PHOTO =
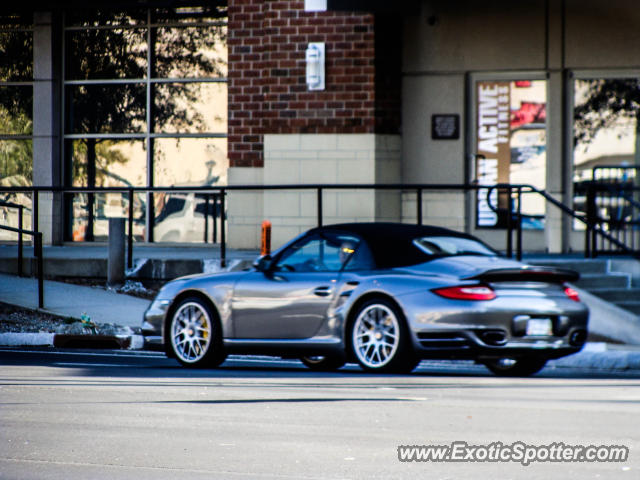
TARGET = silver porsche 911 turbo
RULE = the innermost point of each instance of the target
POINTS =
(384, 295)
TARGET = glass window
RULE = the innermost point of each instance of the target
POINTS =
(106, 108)
(191, 14)
(190, 161)
(16, 162)
(93, 18)
(16, 119)
(16, 56)
(327, 253)
(190, 107)
(106, 54)
(607, 149)
(85, 227)
(511, 147)
(191, 52)
(115, 163)
(186, 217)
(450, 246)
(16, 110)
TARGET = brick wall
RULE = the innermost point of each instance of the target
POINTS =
(267, 85)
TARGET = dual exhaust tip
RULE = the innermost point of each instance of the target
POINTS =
(499, 338)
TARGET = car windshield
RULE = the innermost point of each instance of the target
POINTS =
(451, 246)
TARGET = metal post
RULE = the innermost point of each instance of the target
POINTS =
(519, 225)
(38, 250)
(206, 218)
(223, 240)
(587, 233)
(590, 241)
(20, 241)
(419, 205)
(319, 203)
(509, 223)
(115, 264)
(130, 232)
(36, 208)
(216, 209)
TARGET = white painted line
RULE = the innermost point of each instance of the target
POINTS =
(71, 364)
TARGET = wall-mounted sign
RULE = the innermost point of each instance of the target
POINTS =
(445, 127)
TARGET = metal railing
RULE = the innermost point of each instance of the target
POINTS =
(37, 247)
(594, 228)
(610, 203)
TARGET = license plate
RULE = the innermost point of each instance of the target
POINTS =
(539, 327)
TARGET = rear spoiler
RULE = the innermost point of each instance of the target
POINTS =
(528, 274)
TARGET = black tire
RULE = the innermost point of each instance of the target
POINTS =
(379, 339)
(515, 367)
(323, 364)
(194, 335)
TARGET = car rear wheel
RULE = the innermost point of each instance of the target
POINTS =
(380, 340)
(515, 367)
(194, 334)
(323, 364)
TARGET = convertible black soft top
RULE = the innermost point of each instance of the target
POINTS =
(392, 244)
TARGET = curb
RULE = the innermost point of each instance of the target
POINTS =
(58, 340)
(595, 356)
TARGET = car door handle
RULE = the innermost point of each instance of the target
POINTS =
(322, 291)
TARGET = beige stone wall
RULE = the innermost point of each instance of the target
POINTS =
(244, 209)
(439, 208)
(315, 159)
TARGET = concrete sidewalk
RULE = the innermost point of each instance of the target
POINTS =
(69, 300)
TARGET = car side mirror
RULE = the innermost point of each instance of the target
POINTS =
(263, 263)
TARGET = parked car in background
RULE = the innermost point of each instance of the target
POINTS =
(185, 217)
(383, 295)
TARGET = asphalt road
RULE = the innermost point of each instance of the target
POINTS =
(115, 415)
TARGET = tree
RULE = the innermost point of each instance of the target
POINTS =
(16, 105)
(122, 53)
(606, 103)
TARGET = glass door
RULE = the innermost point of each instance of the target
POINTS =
(509, 146)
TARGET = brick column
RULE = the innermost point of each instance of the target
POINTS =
(267, 89)
(280, 132)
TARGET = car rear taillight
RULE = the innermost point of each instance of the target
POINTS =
(466, 292)
(571, 293)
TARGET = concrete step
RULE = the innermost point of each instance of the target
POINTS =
(161, 269)
(631, 305)
(604, 281)
(617, 295)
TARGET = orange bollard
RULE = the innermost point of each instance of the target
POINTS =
(265, 248)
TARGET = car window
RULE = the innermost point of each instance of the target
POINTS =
(447, 246)
(320, 253)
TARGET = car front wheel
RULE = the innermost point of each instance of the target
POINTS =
(380, 340)
(194, 333)
(515, 367)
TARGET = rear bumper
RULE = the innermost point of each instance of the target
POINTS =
(493, 343)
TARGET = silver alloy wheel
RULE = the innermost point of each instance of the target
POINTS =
(191, 332)
(376, 335)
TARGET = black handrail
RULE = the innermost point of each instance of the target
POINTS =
(37, 248)
(20, 209)
(514, 219)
